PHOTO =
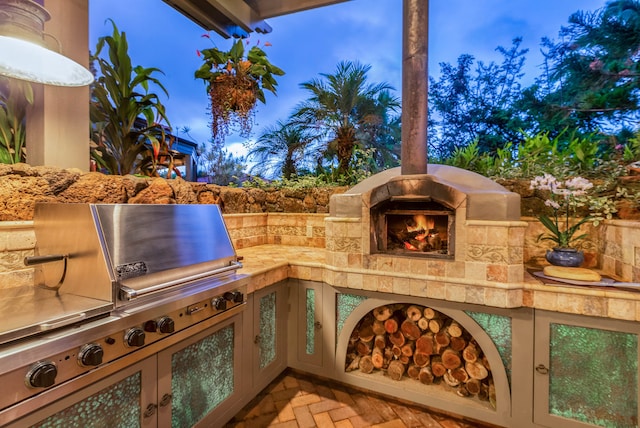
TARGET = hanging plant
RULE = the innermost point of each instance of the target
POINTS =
(235, 81)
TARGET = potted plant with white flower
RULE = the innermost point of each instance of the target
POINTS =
(566, 197)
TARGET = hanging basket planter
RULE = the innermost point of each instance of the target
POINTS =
(236, 80)
(232, 101)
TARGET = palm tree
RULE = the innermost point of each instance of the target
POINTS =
(281, 148)
(383, 132)
(344, 109)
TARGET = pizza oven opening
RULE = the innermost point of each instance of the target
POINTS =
(418, 228)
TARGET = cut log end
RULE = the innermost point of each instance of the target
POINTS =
(395, 370)
(366, 364)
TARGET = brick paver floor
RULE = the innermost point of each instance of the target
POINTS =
(299, 400)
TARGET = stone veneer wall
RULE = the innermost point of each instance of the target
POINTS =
(620, 249)
(22, 186)
(249, 230)
(17, 240)
(487, 252)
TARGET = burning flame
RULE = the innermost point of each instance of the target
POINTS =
(421, 224)
(423, 235)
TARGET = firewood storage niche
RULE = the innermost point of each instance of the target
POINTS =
(415, 343)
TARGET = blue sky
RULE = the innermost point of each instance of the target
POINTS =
(312, 42)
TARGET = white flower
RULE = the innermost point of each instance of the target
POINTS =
(545, 182)
(552, 204)
(578, 184)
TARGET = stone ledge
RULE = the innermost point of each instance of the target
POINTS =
(269, 264)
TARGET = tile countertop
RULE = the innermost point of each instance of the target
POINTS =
(268, 264)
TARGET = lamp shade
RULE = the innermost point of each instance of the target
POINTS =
(22, 51)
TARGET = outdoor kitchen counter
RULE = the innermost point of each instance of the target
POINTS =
(269, 264)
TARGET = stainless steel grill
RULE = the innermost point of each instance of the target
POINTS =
(109, 281)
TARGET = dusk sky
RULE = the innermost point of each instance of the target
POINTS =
(307, 43)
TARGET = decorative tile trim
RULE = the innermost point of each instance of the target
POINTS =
(487, 253)
(346, 245)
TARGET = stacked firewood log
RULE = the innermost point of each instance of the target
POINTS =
(423, 344)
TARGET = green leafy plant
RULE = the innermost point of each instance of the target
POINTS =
(235, 80)
(631, 150)
(470, 158)
(15, 97)
(126, 129)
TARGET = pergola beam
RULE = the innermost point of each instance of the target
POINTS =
(229, 18)
(238, 18)
(273, 8)
(241, 14)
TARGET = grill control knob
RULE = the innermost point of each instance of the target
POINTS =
(42, 375)
(90, 355)
(166, 325)
(234, 296)
(219, 303)
(134, 337)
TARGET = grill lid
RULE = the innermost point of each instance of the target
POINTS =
(153, 247)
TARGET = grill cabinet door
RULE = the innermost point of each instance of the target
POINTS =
(586, 371)
(269, 334)
(200, 379)
(125, 400)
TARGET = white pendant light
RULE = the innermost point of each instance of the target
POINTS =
(22, 51)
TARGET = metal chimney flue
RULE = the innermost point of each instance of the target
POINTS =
(415, 38)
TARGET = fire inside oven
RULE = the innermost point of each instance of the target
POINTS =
(415, 229)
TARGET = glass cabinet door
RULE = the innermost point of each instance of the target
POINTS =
(124, 400)
(310, 322)
(269, 334)
(199, 379)
(586, 372)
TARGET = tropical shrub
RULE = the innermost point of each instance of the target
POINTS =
(126, 118)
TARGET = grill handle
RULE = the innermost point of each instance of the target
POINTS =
(38, 260)
(128, 293)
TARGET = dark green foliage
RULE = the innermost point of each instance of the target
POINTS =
(566, 154)
(589, 84)
(479, 105)
(593, 78)
(281, 150)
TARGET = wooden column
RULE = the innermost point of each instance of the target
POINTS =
(415, 40)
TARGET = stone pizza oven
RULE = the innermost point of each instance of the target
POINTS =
(424, 215)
